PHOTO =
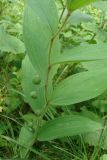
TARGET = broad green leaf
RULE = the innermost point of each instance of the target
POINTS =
(78, 17)
(103, 157)
(82, 53)
(40, 23)
(80, 87)
(90, 114)
(75, 4)
(26, 138)
(102, 5)
(95, 65)
(67, 126)
(93, 138)
(101, 36)
(29, 117)
(28, 72)
(31, 121)
(10, 43)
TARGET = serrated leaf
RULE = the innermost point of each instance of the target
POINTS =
(80, 87)
(82, 53)
(67, 126)
(10, 43)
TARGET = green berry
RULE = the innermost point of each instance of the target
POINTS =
(33, 94)
(36, 79)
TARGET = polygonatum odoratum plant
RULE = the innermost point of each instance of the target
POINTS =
(41, 30)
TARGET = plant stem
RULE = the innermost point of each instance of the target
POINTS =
(63, 10)
(62, 14)
(49, 56)
(45, 108)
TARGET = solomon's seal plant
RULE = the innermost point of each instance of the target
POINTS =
(40, 65)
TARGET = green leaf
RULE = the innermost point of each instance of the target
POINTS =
(40, 23)
(28, 72)
(95, 65)
(10, 43)
(75, 4)
(93, 138)
(90, 114)
(80, 87)
(103, 157)
(26, 138)
(3, 128)
(82, 53)
(102, 5)
(67, 126)
(78, 17)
